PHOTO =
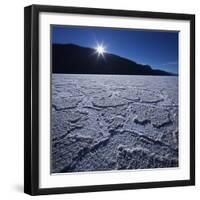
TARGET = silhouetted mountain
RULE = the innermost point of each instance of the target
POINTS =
(73, 59)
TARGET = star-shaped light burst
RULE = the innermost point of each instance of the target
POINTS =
(100, 50)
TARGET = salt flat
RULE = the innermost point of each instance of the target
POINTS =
(112, 122)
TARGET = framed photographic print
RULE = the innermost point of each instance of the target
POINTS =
(109, 100)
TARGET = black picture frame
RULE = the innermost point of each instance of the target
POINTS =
(31, 99)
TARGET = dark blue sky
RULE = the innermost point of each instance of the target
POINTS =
(155, 48)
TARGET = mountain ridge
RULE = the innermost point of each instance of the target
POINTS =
(74, 59)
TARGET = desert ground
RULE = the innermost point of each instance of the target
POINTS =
(113, 122)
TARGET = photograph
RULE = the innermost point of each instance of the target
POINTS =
(114, 99)
(109, 99)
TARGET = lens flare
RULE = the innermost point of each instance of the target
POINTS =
(100, 49)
